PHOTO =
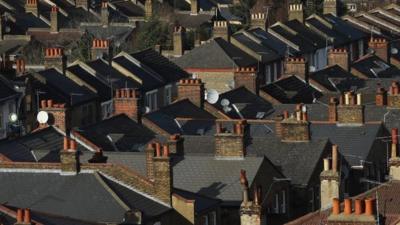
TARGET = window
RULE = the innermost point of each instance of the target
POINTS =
(213, 218)
(151, 100)
(205, 220)
(275, 72)
(268, 74)
(276, 205)
(167, 95)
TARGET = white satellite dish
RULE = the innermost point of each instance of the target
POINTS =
(212, 96)
(394, 51)
(312, 69)
(42, 117)
(146, 109)
(13, 117)
(225, 102)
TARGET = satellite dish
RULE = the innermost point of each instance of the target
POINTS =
(394, 51)
(212, 96)
(42, 117)
(13, 117)
(225, 102)
(312, 69)
(146, 109)
(370, 51)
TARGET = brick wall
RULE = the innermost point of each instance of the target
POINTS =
(230, 143)
(247, 77)
(128, 101)
(192, 89)
(216, 80)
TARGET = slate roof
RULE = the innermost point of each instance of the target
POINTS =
(338, 38)
(246, 102)
(271, 41)
(165, 117)
(215, 54)
(306, 33)
(118, 133)
(381, 69)
(187, 20)
(343, 27)
(304, 45)
(62, 89)
(334, 78)
(6, 91)
(291, 89)
(41, 146)
(74, 196)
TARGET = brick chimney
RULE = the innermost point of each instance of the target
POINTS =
(381, 97)
(179, 40)
(393, 98)
(101, 48)
(221, 29)
(340, 57)
(350, 111)
(194, 7)
(330, 6)
(163, 178)
(128, 101)
(148, 9)
(394, 161)
(175, 143)
(348, 216)
(295, 128)
(19, 66)
(296, 12)
(332, 110)
(192, 89)
(251, 212)
(258, 20)
(380, 47)
(150, 152)
(59, 115)
(54, 19)
(23, 217)
(330, 180)
(247, 77)
(82, 3)
(105, 19)
(55, 58)
(69, 157)
(297, 66)
(230, 144)
(31, 6)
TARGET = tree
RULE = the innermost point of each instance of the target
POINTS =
(150, 34)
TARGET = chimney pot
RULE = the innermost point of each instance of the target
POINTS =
(27, 216)
(50, 103)
(347, 206)
(326, 164)
(285, 114)
(158, 149)
(66, 143)
(43, 104)
(358, 207)
(336, 206)
(73, 145)
(334, 158)
(20, 215)
(369, 207)
(165, 151)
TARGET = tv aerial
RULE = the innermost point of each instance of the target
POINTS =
(394, 51)
(42, 117)
(212, 96)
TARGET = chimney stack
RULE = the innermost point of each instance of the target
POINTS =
(380, 47)
(330, 180)
(148, 9)
(296, 12)
(330, 7)
(105, 19)
(101, 49)
(163, 178)
(332, 110)
(179, 40)
(128, 101)
(54, 19)
(31, 6)
(258, 20)
(393, 98)
(59, 115)
(230, 144)
(55, 58)
(251, 212)
(192, 89)
(247, 77)
(348, 216)
(295, 128)
(297, 66)
(194, 7)
(350, 111)
(69, 157)
(394, 161)
(82, 3)
(221, 29)
(340, 57)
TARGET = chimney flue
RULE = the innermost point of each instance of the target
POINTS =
(347, 206)
(336, 206)
(192, 89)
